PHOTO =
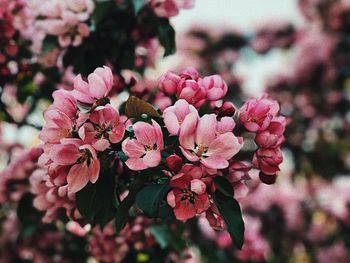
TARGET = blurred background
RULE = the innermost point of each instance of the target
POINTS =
(298, 52)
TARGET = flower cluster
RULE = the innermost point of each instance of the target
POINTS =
(190, 87)
(66, 20)
(260, 117)
(85, 137)
(73, 138)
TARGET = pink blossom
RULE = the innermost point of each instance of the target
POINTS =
(200, 141)
(144, 151)
(215, 87)
(191, 91)
(226, 109)
(105, 128)
(65, 102)
(99, 84)
(168, 83)
(272, 137)
(58, 126)
(82, 160)
(175, 115)
(268, 160)
(51, 198)
(104, 245)
(188, 196)
(256, 115)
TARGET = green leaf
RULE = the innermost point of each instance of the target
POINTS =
(223, 185)
(150, 198)
(161, 235)
(135, 107)
(95, 202)
(166, 36)
(49, 43)
(122, 214)
(101, 9)
(231, 212)
(138, 5)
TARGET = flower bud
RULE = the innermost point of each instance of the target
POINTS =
(174, 163)
(215, 87)
(267, 179)
(168, 83)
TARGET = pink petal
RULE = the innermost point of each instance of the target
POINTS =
(171, 122)
(94, 170)
(136, 164)
(144, 133)
(206, 129)
(77, 177)
(215, 162)
(225, 145)
(132, 148)
(198, 186)
(152, 158)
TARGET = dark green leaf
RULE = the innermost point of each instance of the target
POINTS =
(231, 212)
(166, 36)
(101, 9)
(161, 235)
(223, 185)
(122, 214)
(150, 198)
(95, 202)
(49, 43)
(138, 4)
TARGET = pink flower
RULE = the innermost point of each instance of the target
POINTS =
(268, 160)
(168, 83)
(272, 137)
(215, 87)
(200, 140)
(105, 128)
(65, 102)
(58, 126)
(188, 196)
(192, 92)
(175, 115)
(82, 160)
(144, 150)
(256, 115)
(99, 84)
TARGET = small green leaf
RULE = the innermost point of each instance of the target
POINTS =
(49, 43)
(166, 36)
(101, 9)
(223, 185)
(161, 235)
(150, 198)
(135, 107)
(231, 212)
(138, 5)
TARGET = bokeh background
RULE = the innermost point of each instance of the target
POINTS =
(299, 52)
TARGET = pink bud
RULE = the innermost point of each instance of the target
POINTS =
(227, 109)
(168, 83)
(174, 163)
(215, 87)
